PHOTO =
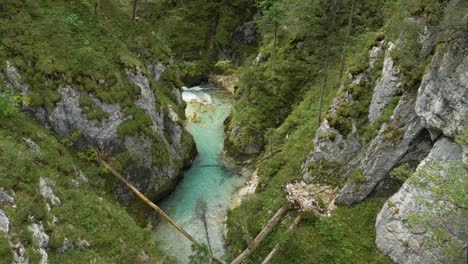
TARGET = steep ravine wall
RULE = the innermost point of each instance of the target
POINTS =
(422, 128)
(152, 157)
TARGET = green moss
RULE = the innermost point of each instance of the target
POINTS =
(89, 212)
(58, 43)
(402, 172)
(96, 113)
(392, 132)
(325, 172)
(371, 131)
(138, 123)
(6, 253)
(356, 176)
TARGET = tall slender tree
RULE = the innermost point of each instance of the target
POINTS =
(331, 15)
(346, 43)
(134, 12)
(273, 14)
(97, 7)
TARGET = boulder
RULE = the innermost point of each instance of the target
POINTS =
(404, 242)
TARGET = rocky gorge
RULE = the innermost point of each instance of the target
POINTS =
(328, 132)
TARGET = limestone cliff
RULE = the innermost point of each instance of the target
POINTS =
(152, 155)
(420, 131)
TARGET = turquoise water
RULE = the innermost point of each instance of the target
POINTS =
(206, 181)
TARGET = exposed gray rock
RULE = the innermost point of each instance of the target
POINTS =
(443, 95)
(19, 254)
(13, 79)
(156, 71)
(4, 222)
(41, 239)
(31, 144)
(82, 243)
(329, 144)
(175, 91)
(47, 193)
(374, 54)
(172, 114)
(67, 117)
(245, 34)
(393, 143)
(387, 87)
(67, 244)
(258, 59)
(5, 199)
(403, 242)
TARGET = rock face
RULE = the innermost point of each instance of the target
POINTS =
(387, 87)
(41, 239)
(332, 146)
(170, 141)
(403, 242)
(402, 139)
(421, 130)
(4, 222)
(443, 95)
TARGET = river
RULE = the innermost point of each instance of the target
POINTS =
(207, 184)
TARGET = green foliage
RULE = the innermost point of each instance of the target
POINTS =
(89, 155)
(96, 113)
(357, 177)
(462, 138)
(224, 67)
(58, 43)
(346, 237)
(8, 104)
(402, 172)
(6, 253)
(138, 122)
(392, 132)
(201, 255)
(372, 129)
(325, 172)
(89, 212)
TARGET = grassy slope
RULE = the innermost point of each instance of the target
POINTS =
(348, 236)
(56, 43)
(87, 212)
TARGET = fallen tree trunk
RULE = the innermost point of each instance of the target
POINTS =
(277, 247)
(151, 204)
(265, 231)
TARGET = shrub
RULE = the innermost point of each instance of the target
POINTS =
(357, 177)
(8, 104)
(402, 172)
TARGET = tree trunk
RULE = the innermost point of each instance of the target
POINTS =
(134, 10)
(97, 7)
(345, 47)
(265, 231)
(327, 58)
(277, 247)
(274, 46)
(151, 204)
